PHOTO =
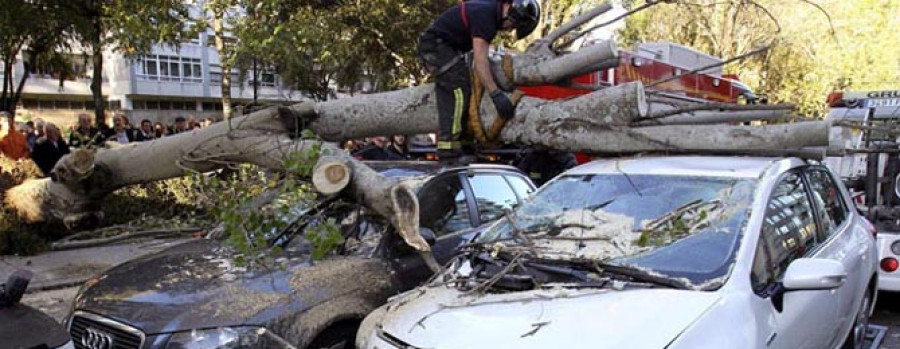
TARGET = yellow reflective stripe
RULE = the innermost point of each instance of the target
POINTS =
(457, 112)
(447, 145)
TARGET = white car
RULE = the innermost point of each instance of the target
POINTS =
(656, 252)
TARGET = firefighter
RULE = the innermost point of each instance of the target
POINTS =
(469, 26)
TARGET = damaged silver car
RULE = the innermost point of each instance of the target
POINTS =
(658, 252)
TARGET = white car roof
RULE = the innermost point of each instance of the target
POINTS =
(712, 166)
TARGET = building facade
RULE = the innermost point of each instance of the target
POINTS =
(160, 86)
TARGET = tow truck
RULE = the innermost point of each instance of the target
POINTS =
(866, 126)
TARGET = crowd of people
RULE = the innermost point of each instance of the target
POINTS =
(45, 143)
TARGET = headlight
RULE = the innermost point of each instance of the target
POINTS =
(226, 338)
(895, 247)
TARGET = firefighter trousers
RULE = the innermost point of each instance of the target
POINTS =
(452, 88)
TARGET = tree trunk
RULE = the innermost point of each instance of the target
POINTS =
(224, 63)
(97, 76)
(598, 123)
(16, 95)
(7, 75)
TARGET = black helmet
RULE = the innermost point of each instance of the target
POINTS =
(525, 14)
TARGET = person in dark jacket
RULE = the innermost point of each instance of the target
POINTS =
(376, 149)
(542, 164)
(399, 147)
(145, 133)
(469, 26)
(121, 132)
(86, 135)
(49, 149)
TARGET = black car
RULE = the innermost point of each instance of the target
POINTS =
(193, 295)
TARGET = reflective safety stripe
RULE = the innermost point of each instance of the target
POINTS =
(448, 145)
(457, 112)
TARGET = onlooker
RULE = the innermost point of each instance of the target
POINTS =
(49, 149)
(399, 146)
(160, 130)
(180, 125)
(376, 150)
(145, 133)
(13, 145)
(206, 122)
(85, 135)
(121, 133)
(31, 135)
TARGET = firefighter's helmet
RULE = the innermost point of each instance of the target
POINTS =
(525, 14)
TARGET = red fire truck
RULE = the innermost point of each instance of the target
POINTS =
(648, 62)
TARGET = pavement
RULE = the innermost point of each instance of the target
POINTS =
(63, 269)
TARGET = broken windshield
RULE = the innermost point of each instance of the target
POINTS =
(679, 227)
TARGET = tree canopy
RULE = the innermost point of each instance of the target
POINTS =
(820, 46)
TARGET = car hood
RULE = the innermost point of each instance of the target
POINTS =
(197, 285)
(442, 317)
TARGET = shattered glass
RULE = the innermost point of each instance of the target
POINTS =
(685, 228)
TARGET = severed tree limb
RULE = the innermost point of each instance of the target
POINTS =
(718, 106)
(543, 45)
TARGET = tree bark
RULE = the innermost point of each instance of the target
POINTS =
(97, 76)
(224, 63)
(597, 123)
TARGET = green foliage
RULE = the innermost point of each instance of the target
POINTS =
(169, 201)
(809, 59)
(253, 206)
(325, 238)
(35, 25)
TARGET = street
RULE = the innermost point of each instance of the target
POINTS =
(887, 313)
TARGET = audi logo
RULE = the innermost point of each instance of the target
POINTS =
(96, 339)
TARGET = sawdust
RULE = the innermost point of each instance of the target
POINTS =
(236, 301)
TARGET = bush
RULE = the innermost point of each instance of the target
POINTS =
(172, 199)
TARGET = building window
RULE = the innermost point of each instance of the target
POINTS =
(169, 68)
(268, 78)
(69, 67)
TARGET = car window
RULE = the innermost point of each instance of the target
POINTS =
(683, 227)
(520, 185)
(492, 196)
(788, 231)
(829, 198)
(442, 205)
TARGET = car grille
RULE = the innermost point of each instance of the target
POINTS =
(90, 331)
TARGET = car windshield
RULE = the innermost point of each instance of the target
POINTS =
(685, 228)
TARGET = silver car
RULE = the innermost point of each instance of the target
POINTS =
(655, 252)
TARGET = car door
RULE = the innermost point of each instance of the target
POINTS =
(448, 207)
(489, 194)
(790, 319)
(838, 243)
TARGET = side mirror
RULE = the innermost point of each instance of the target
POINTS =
(12, 291)
(428, 235)
(814, 274)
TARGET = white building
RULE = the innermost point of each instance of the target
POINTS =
(169, 82)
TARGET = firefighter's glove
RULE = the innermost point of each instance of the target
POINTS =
(504, 106)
